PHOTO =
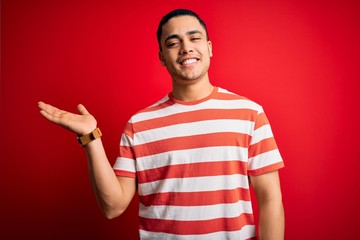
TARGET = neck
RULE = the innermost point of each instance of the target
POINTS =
(192, 92)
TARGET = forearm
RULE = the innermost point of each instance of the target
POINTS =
(271, 220)
(106, 187)
(113, 194)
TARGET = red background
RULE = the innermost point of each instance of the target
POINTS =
(299, 59)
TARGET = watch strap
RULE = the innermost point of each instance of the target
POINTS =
(87, 138)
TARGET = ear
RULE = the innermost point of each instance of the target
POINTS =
(210, 48)
(161, 58)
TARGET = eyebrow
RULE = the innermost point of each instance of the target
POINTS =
(172, 36)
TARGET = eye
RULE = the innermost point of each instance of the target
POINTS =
(195, 38)
(172, 44)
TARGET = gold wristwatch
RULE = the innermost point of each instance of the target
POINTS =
(87, 138)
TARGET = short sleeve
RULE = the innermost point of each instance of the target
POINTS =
(263, 155)
(125, 164)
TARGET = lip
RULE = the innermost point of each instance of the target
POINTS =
(183, 59)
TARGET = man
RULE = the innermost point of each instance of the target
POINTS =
(192, 155)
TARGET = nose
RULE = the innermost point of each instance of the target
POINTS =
(186, 47)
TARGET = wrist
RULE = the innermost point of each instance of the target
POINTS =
(87, 138)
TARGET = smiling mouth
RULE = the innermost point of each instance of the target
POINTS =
(189, 61)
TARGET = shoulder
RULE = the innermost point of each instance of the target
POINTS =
(151, 110)
(237, 100)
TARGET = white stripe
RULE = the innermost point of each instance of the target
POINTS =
(164, 99)
(210, 104)
(126, 164)
(245, 233)
(126, 140)
(222, 90)
(194, 184)
(195, 128)
(196, 155)
(261, 133)
(196, 213)
(264, 159)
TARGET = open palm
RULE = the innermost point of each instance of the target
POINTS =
(80, 124)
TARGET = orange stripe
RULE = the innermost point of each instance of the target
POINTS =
(127, 152)
(163, 105)
(196, 198)
(191, 142)
(194, 116)
(264, 145)
(261, 121)
(193, 170)
(128, 130)
(196, 227)
(269, 168)
(229, 96)
(122, 173)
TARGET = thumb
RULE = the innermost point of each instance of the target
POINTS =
(81, 108)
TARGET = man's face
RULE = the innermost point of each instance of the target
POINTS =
(185, 50)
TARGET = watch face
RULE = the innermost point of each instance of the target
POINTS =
(96, 133)
(83, 140)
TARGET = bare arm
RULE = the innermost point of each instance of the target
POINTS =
(271, 211)
(113, 193)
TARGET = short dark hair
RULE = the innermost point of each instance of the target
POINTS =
(177, 13)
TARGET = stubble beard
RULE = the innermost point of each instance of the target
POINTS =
(190, 77)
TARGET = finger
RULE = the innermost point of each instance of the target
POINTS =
(52, 113)
(82, 109)
(51, 110)
(49, 117)
(47, 107)
(41, 105)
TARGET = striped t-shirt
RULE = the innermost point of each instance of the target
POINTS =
(192, 161)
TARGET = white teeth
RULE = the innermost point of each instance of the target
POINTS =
(189, 61)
